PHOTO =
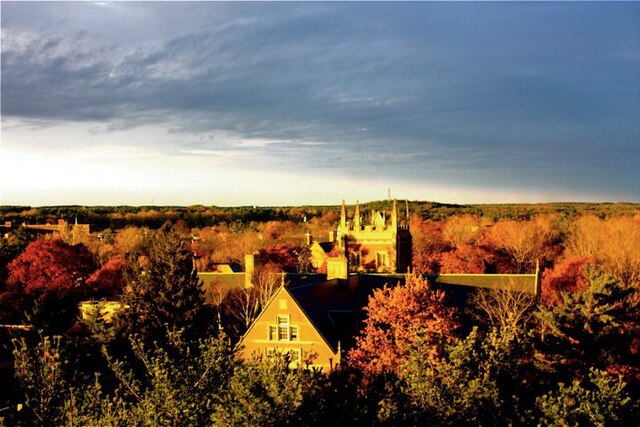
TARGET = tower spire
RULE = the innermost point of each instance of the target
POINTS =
(394, 215)
(343, 217)
(406, 210)
(356, 219)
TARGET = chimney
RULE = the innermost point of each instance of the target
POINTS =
(251, 262)
(308, 239)
(332, 236)
(337, 268)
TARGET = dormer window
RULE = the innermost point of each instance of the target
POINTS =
(283, 330)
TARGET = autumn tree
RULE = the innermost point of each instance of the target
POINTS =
(221, 245)
(283, 255)
(465, 259)
(397, 318)
(129, 239)
(428, 243)
(461, 230)
(11, 247)
(108, 280)
(503, 309)
(526, 242)
(568, 275)
(51, 275)
(272, 230)
(613, 243)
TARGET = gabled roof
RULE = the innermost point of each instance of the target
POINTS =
(225, 267)
(335, 307)
(527, 283)
(325, 246)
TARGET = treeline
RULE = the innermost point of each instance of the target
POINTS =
(424, 356)
(117, 217)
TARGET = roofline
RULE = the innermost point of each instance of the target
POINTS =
(400, 275)
(218, 272)
(261, 311)
(311, 321)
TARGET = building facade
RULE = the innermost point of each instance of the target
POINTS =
(378, 244)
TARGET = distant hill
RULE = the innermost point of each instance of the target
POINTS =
(115, 217)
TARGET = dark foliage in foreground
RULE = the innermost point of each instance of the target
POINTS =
(570, 361)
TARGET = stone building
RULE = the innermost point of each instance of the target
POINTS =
(378, 244)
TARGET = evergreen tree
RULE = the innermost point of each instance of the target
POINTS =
(595, 327)
(268, 393)
(600, 400)
(478, 381)
(304, 260)
(163, 293)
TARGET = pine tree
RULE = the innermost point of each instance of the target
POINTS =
(594, 327)
(163, 293)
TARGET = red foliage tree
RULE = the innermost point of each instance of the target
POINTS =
(428, 243)
(465, 259)
(283, 255)
(108, 280)
(566, 276)
(399, 318)
(50, 275)
(51, 268)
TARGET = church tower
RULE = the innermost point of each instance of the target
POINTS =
(377, 245)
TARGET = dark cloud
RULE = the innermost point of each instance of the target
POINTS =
(470, 91)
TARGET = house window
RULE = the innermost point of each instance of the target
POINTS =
(283, 333)
(382, 259)
(296, 355)
(283, 328)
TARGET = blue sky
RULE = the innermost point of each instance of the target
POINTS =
(295, 103)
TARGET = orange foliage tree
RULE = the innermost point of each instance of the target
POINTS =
(428, 243)
(283, 255)
(525, 242)
(397, 319)
(220, 245)
(566, 276)
(465, 259)
(461, 230)
(614, 243)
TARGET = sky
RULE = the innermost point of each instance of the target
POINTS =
(237, 103)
